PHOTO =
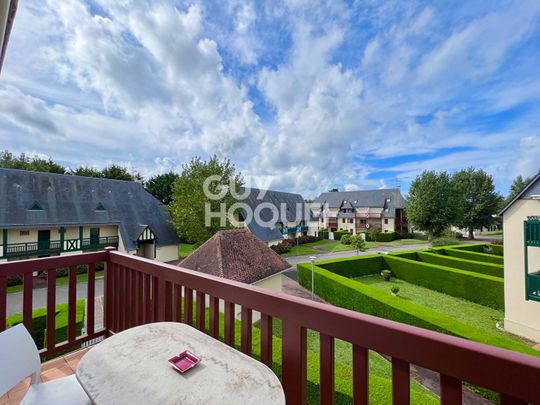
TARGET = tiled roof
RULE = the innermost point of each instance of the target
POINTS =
(365, 198)
(235, 255)
(271, 233)
(68, 200)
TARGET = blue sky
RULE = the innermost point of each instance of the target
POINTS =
(301, 95)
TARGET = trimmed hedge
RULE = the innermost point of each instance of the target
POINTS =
(387, 236)
(354, 295)
(475, 287)
(490, 269)
(339, 234)
(497, 250)
(354, 266)
(471, 247)
(467, 255)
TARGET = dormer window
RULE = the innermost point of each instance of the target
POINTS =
(36, 207)
(345, 201)
(388, 200)
(100, 207)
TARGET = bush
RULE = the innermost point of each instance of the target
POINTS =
(444, 241)
(307, 239)
(350, 294)
(346, 239)
(387, 236)
(323, 234)
(353, 266)
(386, 274)
(490, 269)
(14, 280)
(395, 290)
(464, 254)
(281, 248)
(421, 236)
(339, 234)
(372, 234)
(480, 288)
(405, 235)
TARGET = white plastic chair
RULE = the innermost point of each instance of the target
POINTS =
(19, 358)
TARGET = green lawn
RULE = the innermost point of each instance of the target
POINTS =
(301, 250)
(185, 249)
(457, 308)
(59, 281)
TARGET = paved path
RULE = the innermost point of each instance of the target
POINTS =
(294, 260)
(39, 300)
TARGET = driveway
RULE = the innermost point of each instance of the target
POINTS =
(39, 300)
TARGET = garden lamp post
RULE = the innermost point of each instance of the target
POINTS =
(312, 258)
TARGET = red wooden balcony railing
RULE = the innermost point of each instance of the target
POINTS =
(138, 291)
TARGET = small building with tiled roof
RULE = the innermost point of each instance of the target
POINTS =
(238, 255)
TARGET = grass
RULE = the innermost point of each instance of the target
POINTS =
(185, 249)
(81, 278)
(465, 311)
(301, 250)
(39, 323)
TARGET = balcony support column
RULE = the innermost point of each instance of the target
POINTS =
(80, 237)
(4, 242)
(62, 233)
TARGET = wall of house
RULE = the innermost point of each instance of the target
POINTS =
(390, 226)
(521, 317)
(167, 253)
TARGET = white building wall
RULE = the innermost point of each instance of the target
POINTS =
(521, 317)
(167, 253)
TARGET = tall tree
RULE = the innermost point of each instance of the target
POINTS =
(160, 186)
(190, 203)
(517, 186)
(479, 201)
(433, 203)
(23, 162)
(117, 172)
(87, 171)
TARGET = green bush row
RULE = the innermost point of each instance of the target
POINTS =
(471, 247)
(490, 269)
(475, 287)
(354, 295)
(387, 236)
(467, 255)
(354, 266)
(339, 234)
(497, 250)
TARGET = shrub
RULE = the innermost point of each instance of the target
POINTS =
(395, 290)
(14, 280)
(444, 241)
(357, 242)
(387, 236)
(307, 239)
(497, 249)
(354, 266)
(372, 235)
(350, 294)
(281, 248)
(346, 239)
(479, 257)
(405, 235)
(339, 234)
(480, 288)
(386, 274)
(490, 269)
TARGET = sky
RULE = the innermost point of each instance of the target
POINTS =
(301, 95)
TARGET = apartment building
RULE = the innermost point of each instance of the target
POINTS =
(359, 211)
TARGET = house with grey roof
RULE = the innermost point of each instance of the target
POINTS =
(274, 215)
(361, 210)
(521, 234)
(45, 214)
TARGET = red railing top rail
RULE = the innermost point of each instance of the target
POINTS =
(476, 363)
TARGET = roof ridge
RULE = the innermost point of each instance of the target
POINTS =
(67, 175)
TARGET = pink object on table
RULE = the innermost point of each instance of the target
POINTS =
(184, 361)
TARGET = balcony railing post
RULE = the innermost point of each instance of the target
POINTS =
(294, 363)
(108, 292)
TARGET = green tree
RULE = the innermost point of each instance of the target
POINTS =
(190, 203)
(23, 162)
(117, 172)
(433, 203)
(160, 186)
(517, 186)
(87, 171)
(479, 201)
(358, 243)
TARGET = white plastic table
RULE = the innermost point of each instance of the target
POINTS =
(131, 368)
